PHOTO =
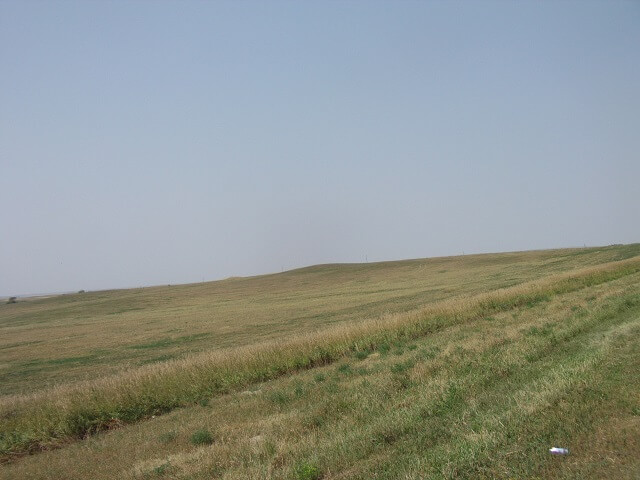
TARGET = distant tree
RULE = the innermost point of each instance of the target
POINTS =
(12, 300)
(80, 291)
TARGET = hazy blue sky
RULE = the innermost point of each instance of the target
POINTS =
(166, 142)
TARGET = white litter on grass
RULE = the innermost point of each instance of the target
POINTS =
(559, 451)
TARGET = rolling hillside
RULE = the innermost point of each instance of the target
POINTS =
(81, 336)
(459, 367)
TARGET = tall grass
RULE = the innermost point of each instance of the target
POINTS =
(46, 419)
(71, 338)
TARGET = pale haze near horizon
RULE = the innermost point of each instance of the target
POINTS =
(147, 143)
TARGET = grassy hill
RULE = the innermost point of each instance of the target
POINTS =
(459, 367)
(80, 336)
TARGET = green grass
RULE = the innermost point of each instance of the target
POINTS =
(307, 471)
(169, 342)
(202, 437)
(458, 389)
(484, 398)
(140, 326)
(40, 421)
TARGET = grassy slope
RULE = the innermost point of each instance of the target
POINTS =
(44, 420)
(74, 337)
(483, 397)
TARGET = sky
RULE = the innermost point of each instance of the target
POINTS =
(157, 142)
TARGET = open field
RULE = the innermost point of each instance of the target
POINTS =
(82, 336)
(476, 367)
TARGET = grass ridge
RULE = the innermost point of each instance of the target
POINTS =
(47, 419)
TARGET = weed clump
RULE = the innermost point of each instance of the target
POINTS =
(279, 398)
(161, 469)
(362, 354)
(298, 390)
(345, 369)
(402, 367)
(202, 437)
(307, 471)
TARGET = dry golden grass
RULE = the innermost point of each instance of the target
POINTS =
(56, 340)
(479, 397)
(48, 418)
